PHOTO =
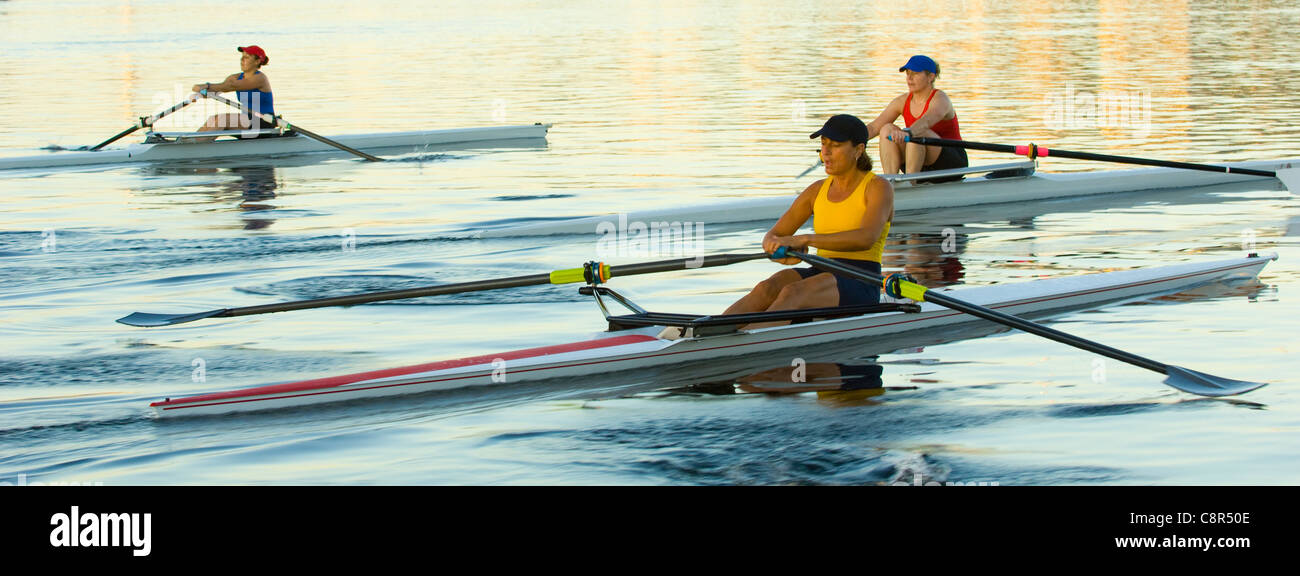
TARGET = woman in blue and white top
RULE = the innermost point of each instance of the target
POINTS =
(254, 90)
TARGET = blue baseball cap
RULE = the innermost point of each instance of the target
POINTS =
(921, 63)
(843, 128)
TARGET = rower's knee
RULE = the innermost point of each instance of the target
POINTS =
(806, 293)
(888, 147)
(770, 288)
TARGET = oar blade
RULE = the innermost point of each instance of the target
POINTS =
(1204, 384)
(1290, 178)
(150, 320)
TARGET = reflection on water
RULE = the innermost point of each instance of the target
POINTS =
(247, 186)
(851, 382)
(931, 259)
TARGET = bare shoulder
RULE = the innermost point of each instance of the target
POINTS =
(898, 102)
(810, 192)
(879, 185)
(880, 192)
(814, 187)
(942, 96)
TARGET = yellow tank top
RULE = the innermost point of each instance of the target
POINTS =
(831, 217)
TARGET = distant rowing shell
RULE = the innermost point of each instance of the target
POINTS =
(278, 146)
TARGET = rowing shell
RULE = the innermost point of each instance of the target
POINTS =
(640, 349)
(285, 145)
(999, 184)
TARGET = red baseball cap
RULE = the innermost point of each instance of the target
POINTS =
(256, 51)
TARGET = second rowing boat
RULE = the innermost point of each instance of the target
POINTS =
(996, 184)
(632, 344)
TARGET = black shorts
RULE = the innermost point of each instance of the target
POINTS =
(852, 290)
(949, 157)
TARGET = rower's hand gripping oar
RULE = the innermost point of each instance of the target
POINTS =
(295, 127)
(1290, 177)
(899, 287)
(592, 273)
(144, 122)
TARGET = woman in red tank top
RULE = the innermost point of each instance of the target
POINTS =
(926, 112)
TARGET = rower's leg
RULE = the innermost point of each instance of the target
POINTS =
(891, 156)
(820, 291)
(222, 122)
(919, 156)
(765, 293)
(757, 300)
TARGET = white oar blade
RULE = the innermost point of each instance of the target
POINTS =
(1290, 178)
(1204, 384)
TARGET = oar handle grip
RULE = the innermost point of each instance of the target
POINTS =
(1033, 151)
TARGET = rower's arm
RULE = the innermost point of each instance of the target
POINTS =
(940, 108)
(888, 116)
(880, 208)
(233, 83)
(798, 213)
(790, 222)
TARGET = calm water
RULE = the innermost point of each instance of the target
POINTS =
(653, 105)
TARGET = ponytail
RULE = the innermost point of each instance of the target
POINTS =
(864, 162)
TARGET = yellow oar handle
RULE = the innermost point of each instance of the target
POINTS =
(901, 285)
(572, 275)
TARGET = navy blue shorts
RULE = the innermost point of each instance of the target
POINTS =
(852, 290)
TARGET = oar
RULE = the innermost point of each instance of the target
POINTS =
(1290, 177)
(600, 271)
(1178, 377)
(144, 122)
(295, 127)
(810, 169)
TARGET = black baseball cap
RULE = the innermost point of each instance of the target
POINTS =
(843, 128)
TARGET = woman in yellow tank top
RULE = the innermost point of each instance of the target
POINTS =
(851, 210)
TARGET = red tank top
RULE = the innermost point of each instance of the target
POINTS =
(947, 129)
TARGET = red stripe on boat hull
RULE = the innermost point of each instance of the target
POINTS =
(335, 381)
